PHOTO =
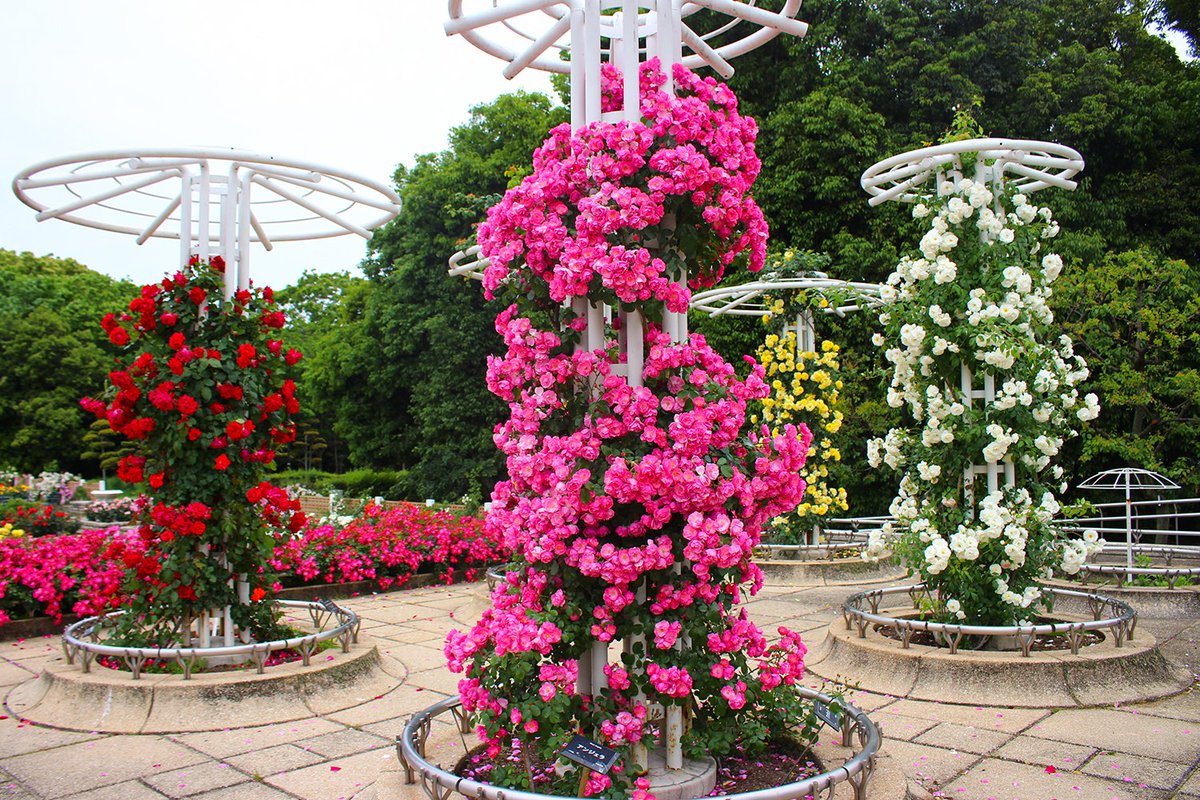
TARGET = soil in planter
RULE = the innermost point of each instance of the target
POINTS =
(1042, 643)
(783, 761)
(170, 666)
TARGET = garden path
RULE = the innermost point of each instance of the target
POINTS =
(1148, 751)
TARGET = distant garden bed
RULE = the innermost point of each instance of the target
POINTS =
(82, 573)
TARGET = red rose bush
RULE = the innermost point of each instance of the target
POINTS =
(204, 394)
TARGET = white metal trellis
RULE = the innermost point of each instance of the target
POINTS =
(214, 201)
(625, 33)
(1129, 479)
(1025, 164)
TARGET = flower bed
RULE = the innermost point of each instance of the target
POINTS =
(36, 519)
(388, 547)
(81, 573)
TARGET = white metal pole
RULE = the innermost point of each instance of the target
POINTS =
(243, 231)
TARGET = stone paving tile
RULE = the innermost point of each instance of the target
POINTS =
(1192, 785)
(438, 680)
(396, 704)
(343, 743)
(11, 674)
(222, 744)
(273, 760)
(898, 727)
(195, 779)
(952, 736)
(1043, 753)
(251, 790)
(99, 763)
(337, 780)
(992, 779)
(129, 790)
(11, 790)
(1008, 720)
(1153, 737)
(928, 765)
(1127, 768)
(1182, 706)
(17, 738)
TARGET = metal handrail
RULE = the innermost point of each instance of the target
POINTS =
(1122, 624)
(82, 639)
(438, 783)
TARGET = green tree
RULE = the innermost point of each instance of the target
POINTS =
(54, 353)
(314, 307)
(417, 343)
(1135, 317)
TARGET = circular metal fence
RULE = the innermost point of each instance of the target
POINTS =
(439, 784)
(85, 640)
(1119, 618)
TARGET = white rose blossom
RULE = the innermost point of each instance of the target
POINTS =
(1004, 402)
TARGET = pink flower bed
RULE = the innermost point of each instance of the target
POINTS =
(83, 573)
(388, 547)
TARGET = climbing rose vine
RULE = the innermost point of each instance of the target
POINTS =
(204, 397)
(632, 510)
(621, 212)
(805, 384)
(977, 293)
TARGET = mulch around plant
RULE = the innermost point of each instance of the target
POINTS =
(784, 761)
(1043, 643)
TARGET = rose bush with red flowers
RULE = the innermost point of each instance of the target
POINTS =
(204, 392)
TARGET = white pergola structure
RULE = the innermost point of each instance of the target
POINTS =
(537, 34)
(1130, 479)
(1024, 164)
(750, 300)
(215, 202)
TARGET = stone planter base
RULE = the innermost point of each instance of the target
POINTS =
(1101, 674)
(828, 572)
(1150, 602)
(108, 701)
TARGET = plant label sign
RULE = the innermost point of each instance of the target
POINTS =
(592, 755)
(827, 715)
(328, 605)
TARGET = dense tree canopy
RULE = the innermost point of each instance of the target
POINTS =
(408, 362)
(54, 352)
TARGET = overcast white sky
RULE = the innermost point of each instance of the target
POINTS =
(356, 85)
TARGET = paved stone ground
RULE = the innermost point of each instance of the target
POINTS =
(1149, 751)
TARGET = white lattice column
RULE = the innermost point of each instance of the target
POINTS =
(625, 33)
(1024, 165)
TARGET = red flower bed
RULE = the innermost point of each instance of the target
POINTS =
(82, 573)
(388, 547)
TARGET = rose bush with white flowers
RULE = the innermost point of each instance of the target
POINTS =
(976, 294)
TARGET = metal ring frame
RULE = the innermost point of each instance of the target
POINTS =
(440, 784)
(144, 193)
(1026, 164)
(529, 49)
(1121, 623)
(1124, 573)
(827, 552)
(82, 639)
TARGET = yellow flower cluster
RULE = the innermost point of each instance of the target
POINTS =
(806, 389)
(7, 531)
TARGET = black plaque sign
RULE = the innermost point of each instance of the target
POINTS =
(827, 715)
(328, 605)
(595, 757)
